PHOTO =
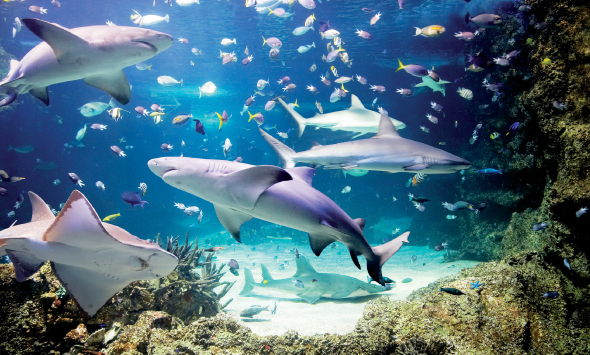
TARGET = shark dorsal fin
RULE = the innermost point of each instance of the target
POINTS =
(386, 128)
(315, 145)
(302, 173)
(245, 186)
(66, 46)
(40, 210)
(265, 273)
(355, 102)
(303, 267)
(76, 215)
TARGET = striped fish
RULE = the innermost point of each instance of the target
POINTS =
(143, 188)
(418, 178)
(465, 93)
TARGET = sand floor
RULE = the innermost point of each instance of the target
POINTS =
(327, 315)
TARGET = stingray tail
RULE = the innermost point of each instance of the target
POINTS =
(287, 154)
(382, 253)
(248, 282)
(300, 119)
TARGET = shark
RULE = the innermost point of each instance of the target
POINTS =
(92, 260)
(96, 54)
(427, 81)
(315, 284)
(240, 192)
(356, 119)
(386, 151)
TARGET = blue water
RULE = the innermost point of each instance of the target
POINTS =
(204, 25)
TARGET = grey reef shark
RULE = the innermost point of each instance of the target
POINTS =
(240, 192)
(96, 54)
(92, 260)
(386, 151)
(356, 119)
(315, 284)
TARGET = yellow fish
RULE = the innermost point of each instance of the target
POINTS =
(154, 114)
(334, 71)
(111, 217)
(157, 120)
(494, 135)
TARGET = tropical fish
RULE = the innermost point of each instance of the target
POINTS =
(143, 188)
(451, 290)
(111, 217)
(430, 31)
(168, 81)
(22, 149)
(489, 171)
(465, 93)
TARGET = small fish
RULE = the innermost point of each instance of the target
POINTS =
(346, 190)
(75, 179)
(490, 171)
(226, 146)
(313, 68)
(334, 71)
(227, 41)
(375, 18)
(319, 106)
(166, 147)
(407, 280)
(143, 188)
(115, 113)
(183, 40)
(118, 151)
(11, 214)
(540, 226)
(196, 51)
(111, 217)
(494, 135)
(309, 20)
(199, 127)
(551, 294)
(256, 309)
(465, 93)
(181, 119)
(98, 126)
(558, 105)
(168, 81)
(451, 290)
(19, 201)
(567, 264)
(451, 216)
(581, 211)
(100, 185)
(298, 283)
(414, 258)
(56, 182)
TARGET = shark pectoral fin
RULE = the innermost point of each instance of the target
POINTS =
(245, 186)
(41, 94)
(90, 288)
(232, 220)
(25, 264)
(249, 282)
(265, 273)
(420, 85)
(302, 173)
(440, 82)
(355, 102)
(66, 46)
(40, 210)
(386, 128)
(303, 267)
(312, 295)
(355, 260)
(415, 167)
(114, 83)
(319, 241)
(341, 293)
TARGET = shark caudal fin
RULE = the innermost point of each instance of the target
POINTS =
(382, 253)
(248, 282)
(287, 154)
(300, 119)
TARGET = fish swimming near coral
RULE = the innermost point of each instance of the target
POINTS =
(93, 260)
(326, 285)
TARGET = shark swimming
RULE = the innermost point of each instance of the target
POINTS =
(240, 192)
(96, 54)
(386, 151)
(356, 119)
(427, 81)
(92, 260)
(315, 284)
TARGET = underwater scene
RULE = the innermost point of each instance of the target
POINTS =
(294, 177)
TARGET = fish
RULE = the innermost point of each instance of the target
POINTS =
(313, 67)
(355, 119)
(148, 20)
(133, 198)
(302, 30)
(374, 19)
(95, 108)
(329, 34)
(407, 280)
(386, 151)
(196, 51)
(166, 147)
(581, 212)
(208, 89)
(346, 190)
(427, 81)
(118, 151)
(484, 20)
(187, 2)
(465, 36)
(551, 294)
(115, 113)
(430, 31)
(223, 118)
(320, 109)
(75, 179)
(303, 49)
(465, 93)
(490, 171)
(244, 191)
(413, 69)
(309, 20)
(436, 107)
(199, 127)
(181, 119)
(247, 60)
(451, 290)
(258, 117)
(308, 4)
(111, 217)
(81, 133)
(494, 135)
(60, 61)
(567, 264)
(22, 149)
(256, 309)
(93, 260)
(38, 10)
(432, 119)
(272, 42)
(540, 226)
(100, 185)
(143, 66)
(143, 188)
(19, 201)
(183, 40)
(417, 199)
(451, 216)
(168, 81)
(45, 165)
(377, 88)
(56, 182)
(226, 146)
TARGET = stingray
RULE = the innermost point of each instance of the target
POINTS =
(92, 260)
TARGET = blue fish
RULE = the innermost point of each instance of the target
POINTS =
(551, 294)
(567, 264)
(490, 171)
(133, 198)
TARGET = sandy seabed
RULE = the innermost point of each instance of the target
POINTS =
(327, 315)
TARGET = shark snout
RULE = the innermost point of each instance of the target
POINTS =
(160, 166)
(158, 41)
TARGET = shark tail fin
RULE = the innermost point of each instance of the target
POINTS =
(248, 282)
(300, 120)
(167, 18)
(287, 154)
(382, 253)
